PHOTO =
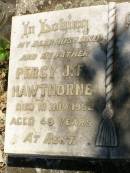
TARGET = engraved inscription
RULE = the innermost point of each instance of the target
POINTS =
(53, 139)
(52, 90)
(25, 121)
(28, 29)
(64, 25)
(56, 85)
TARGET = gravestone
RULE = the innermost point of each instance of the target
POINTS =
(57, 82)
(60, 85)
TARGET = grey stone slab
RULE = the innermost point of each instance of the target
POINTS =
(56, 91)
(63, 120)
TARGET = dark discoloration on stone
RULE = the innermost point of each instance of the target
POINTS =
(65, 137)
(121, 79)
(122, 166)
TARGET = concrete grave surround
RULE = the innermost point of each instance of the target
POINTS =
(50, 112)
(38, 170)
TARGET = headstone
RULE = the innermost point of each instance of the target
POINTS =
(56, 90)
(60, 84)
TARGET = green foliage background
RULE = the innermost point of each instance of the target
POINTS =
(4, 49)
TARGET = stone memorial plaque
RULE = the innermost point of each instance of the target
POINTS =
(56, 91)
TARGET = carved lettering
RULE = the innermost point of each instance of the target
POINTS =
(75, 122)
(24, 91)
(25, 121)
(60, 106)
(50, 121)
(76, 53)
(71, 70)
(52, 90)
(26, 57)
(35, 72)
(31, 138)
(25, 107)
(28, 29)
(64, 25)
(53, 139)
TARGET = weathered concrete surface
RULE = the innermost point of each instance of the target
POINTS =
(69, 131)
(108, 167)
(38, 170)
